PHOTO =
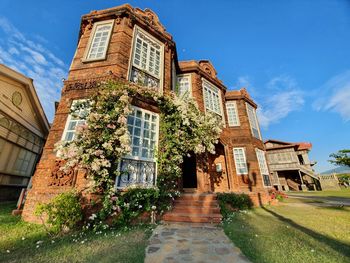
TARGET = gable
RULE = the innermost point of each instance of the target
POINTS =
(15, 100)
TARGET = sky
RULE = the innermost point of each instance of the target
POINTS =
(292, 56)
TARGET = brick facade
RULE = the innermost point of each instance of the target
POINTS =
(81, 82)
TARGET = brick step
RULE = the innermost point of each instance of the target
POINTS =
(194, 218)
(201, 203)
(197, 197)
(196, 209)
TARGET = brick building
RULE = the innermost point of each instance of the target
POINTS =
(130, 44)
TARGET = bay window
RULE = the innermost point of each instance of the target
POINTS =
(253, 121)
(99, 40)
(264, 171)
(184, 85)
(75, 119)
(232, 113)
(240, 161)
(147, 60)
(139, 167)
(212, 98)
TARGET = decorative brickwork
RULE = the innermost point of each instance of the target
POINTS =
(84, 77)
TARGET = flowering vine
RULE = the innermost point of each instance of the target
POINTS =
(104, 139)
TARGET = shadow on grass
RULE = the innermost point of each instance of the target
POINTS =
(336, 245)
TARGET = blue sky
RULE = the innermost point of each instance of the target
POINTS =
(292, 56)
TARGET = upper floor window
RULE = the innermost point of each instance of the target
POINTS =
(99, 40)
(211, 98)
(253, 121)
(232, 113)
(184, 85)
(75, 119)
(147, 59)
(240, 160)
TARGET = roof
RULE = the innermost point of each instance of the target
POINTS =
(204, 67)
(29, 86)
(297, 145)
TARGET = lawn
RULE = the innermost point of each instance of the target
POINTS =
(344, 192)
(292, 232)
(18, 243)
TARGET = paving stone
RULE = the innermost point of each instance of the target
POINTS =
(176, 243)
(153, 249)
(184, 251)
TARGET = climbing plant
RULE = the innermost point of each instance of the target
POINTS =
(104, 139)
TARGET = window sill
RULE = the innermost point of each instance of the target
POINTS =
(84, 60)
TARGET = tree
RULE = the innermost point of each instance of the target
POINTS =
(342, 158)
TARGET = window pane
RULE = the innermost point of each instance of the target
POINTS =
(99, 40)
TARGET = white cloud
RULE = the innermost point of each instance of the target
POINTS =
(334, 96)
(35, 61)
(281, 96)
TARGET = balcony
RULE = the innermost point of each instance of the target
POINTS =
(136, 172)
(143, 79)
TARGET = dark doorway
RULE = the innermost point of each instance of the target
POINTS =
(189, 172)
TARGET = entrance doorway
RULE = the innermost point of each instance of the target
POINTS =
(189, 172)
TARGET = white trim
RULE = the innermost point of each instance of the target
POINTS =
(255, 120)
(244, 157)
(232, 103)
(131, 57)
(189, 76)
(216, 90)
(69, 118)
(91, 38)
(262, 173)
(139, 158)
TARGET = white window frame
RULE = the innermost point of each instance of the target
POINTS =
(138, 158)
(91, 40)
(69, 119)
(215, 90)
(189, 77)
(233, 104)
(137, 30)
(253, 121)
(245, 160)
(264, 169)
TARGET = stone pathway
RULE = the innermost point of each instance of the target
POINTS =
(200, 243)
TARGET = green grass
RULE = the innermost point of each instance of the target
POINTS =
(109, 246)
(344, 192)
(292, 232)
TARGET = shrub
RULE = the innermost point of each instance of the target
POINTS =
(136, 201)
(275, 194)
(63, 212)
(230, 202)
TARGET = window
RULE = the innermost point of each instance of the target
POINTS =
(139, 167)
(143, 129)
(240, 161)
(263, 167)
(147, 60)
(24, 162)
(184, 85)
(99, 40)
(232, 113)
(211, 98)
(253, 121)
(75, 119)
(301, 159)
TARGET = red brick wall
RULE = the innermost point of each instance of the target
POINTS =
(117, 63)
